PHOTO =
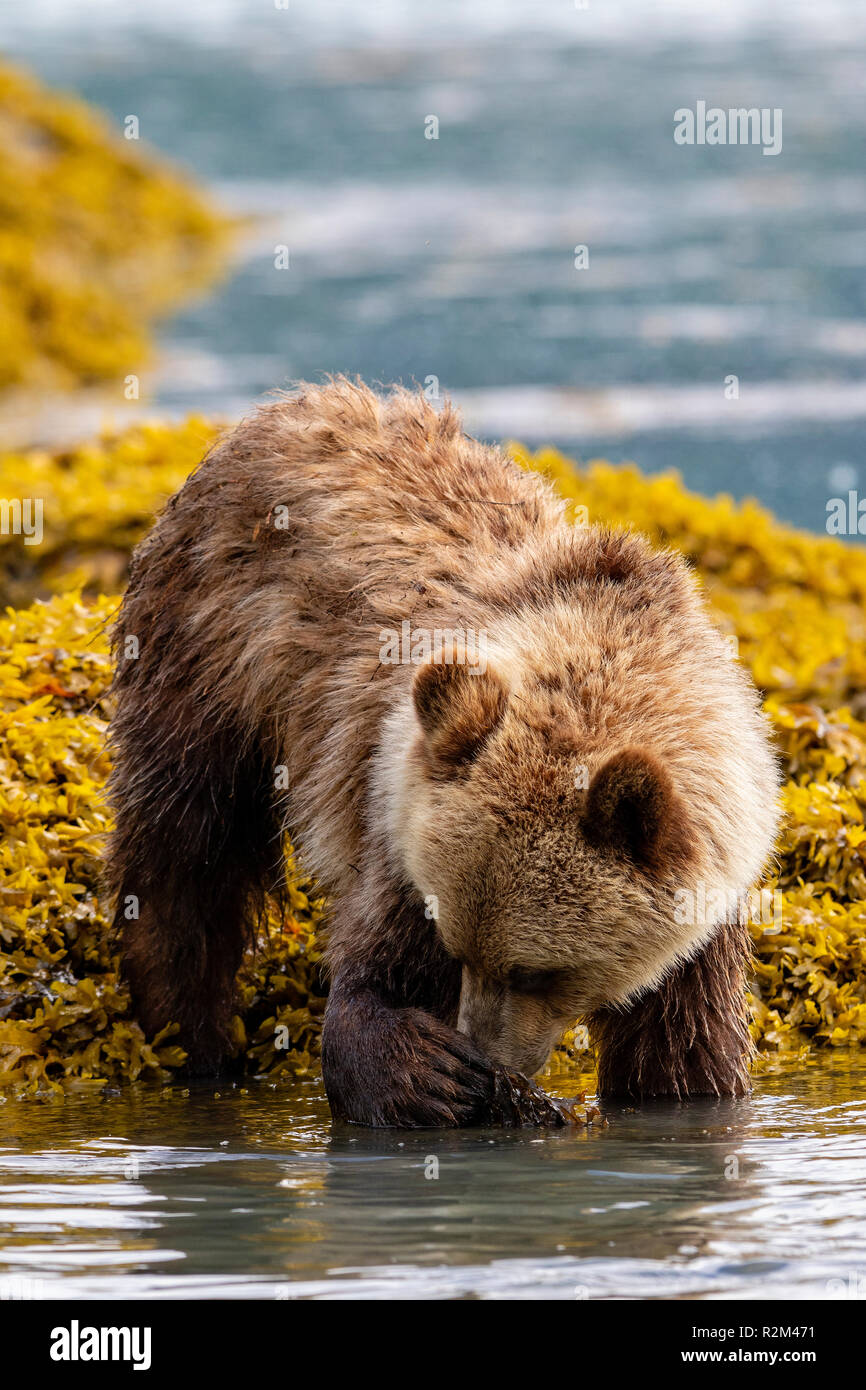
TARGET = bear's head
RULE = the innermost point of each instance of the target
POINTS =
(558, 849)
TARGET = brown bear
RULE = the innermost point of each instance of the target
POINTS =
(506, 745)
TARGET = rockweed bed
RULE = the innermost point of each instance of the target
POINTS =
(100, 237)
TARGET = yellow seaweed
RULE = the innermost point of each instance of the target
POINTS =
(98, 238)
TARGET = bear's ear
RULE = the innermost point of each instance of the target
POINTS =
(458, 706)
(632, 807)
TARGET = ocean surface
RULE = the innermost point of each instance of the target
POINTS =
(451, 261)
(256, 1193)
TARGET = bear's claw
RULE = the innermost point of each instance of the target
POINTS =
(518, 1101)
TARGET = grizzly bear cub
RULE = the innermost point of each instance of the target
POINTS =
(509, 748)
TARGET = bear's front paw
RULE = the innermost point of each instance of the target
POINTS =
(443, 1078)
(403, 1069)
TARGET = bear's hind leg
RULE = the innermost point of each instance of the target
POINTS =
(689, 1037)
(197, 844)
(181, 969)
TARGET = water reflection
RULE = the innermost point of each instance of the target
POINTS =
(254, 1193)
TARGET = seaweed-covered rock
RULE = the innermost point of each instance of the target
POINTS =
(64, 1014)
(97, 500)
(98, 240)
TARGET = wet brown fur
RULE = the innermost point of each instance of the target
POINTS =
(439, 807)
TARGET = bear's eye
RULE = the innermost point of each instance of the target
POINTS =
(524, 981)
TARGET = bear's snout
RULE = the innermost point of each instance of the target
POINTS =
(514, 1030)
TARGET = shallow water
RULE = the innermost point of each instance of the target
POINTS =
(256, 1194)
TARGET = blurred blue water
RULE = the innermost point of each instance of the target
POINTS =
(453, 258)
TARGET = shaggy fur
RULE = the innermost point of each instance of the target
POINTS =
(502, 843)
